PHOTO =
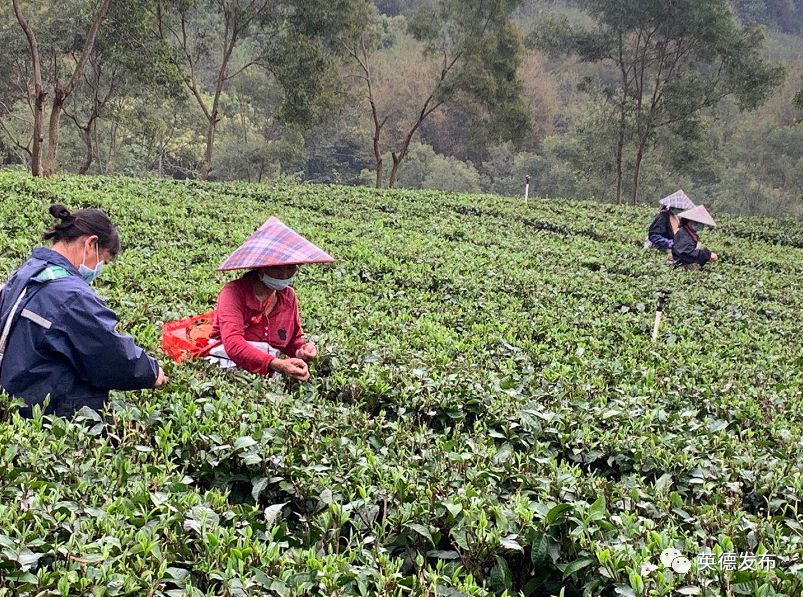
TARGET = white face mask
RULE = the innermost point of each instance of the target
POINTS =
(90, 275)
(275, 283)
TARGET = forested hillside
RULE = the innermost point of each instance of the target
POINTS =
(463, 96)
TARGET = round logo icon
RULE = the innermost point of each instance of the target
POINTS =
(681, 565)
(668, 555)
(672, 558)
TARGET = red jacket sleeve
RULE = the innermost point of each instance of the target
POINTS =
(297, 341)
(231, 321)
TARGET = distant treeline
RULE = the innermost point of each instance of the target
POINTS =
(462, 95)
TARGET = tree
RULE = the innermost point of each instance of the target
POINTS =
(195, 37)
(16, 108)
(252, 144)
(674, 58)
(504, 171)
(158, 133)
(126, 60)
(797, 100)
(217, 40)
(426, 169)
(467, 50)
(396, 7)
(59, 47)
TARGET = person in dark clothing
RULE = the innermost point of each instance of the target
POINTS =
(661, 234)
(57, 337)
(687, 249)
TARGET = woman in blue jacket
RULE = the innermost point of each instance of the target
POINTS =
(57, 337)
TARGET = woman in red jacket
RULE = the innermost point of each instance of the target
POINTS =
(257, 316)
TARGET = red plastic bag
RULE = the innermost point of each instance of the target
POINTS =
(188, 338)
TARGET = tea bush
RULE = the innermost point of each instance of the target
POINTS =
(488, 415)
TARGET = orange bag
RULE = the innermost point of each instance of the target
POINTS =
(188, 338)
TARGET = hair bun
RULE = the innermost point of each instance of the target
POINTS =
(60, 212)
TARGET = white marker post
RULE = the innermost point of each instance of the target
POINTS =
(658, 315)
(663, 295)
(526, 188)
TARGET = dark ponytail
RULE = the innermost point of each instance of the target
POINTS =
(84, 222)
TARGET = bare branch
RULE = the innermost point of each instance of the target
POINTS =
(17, 144)
(239, 70)
(32, 43)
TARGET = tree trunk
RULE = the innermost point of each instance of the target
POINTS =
(379, 173)
(377, 132)
(97, 158)
(213, 114)
(620, 151)
(210, 143)
(112, 147)
(395, 170)
(221, 81)
(637, 170)
(86, 135)
(405, 147)
(39, 94)
(38, 121)
(53, 129)
(620, 146)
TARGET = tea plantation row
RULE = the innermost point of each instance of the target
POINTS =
(488, 414)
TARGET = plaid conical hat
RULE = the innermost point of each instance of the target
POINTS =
(274, 244)
(678, 200)
(698, 214)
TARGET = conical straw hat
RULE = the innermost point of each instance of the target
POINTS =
(698, 214)
(677, 200)
(274, 243)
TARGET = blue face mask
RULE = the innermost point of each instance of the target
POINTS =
(275, 283)
(697, 227)
(90, 275)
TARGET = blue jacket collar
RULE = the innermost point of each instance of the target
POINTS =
(52, 257)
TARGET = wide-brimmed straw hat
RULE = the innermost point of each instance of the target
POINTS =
(274, 243)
